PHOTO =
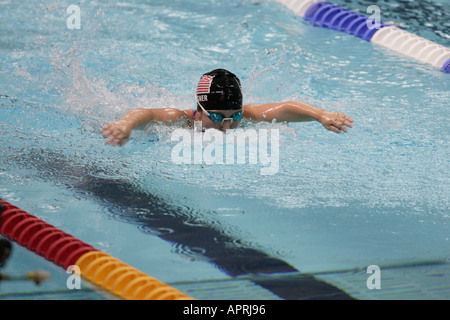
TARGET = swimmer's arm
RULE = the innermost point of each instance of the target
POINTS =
(138, 118)
(294, 111)
(118, 132)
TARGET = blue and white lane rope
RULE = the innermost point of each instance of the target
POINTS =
(328, 15)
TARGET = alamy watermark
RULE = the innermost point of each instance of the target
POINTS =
(374, 21)
(74, 20)
(212, 146)
(74, 280)
(374, 280)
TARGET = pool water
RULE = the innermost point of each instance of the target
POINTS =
(378, 195)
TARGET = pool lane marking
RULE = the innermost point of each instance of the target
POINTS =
(328, 15)
(97, 267)
(122, 198)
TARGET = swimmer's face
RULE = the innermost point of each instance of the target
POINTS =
(224, 125)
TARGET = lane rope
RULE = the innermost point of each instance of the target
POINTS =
(328, 15)
(96, 267)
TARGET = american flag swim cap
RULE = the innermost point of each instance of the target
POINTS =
(219, 90)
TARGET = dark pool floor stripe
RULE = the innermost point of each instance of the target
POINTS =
(122, 198)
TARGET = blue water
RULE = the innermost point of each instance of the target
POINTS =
(378, 195)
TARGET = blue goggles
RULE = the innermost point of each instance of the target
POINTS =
(218, 117)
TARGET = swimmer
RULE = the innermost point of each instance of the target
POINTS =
(220, 106)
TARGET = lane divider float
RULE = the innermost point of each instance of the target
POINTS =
(328, 15)
(97, 267)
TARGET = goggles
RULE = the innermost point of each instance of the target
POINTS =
(217, 117)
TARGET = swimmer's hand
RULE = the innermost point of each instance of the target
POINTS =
(117, 133)
(336, 122)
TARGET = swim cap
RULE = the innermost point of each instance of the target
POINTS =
(219, 90)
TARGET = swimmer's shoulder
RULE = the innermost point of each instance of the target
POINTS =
(189, 113)
(251, 112)
(172, 115)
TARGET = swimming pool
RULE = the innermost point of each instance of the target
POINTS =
(338, 204)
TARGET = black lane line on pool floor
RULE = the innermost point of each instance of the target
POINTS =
(122, 199)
